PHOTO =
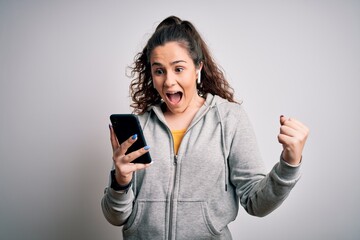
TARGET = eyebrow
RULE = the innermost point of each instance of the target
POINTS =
(173, 63)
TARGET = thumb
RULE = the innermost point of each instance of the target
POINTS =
(282, 120)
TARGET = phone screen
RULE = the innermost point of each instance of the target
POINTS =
(125, 126)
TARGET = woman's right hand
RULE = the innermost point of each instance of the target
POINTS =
(123, 167)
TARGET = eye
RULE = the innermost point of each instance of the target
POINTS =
(179, 69)
(158, 71)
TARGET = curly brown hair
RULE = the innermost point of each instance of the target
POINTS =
(173, 29)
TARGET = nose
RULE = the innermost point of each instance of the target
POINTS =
(170, 79)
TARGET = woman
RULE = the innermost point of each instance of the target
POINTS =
(205, 154)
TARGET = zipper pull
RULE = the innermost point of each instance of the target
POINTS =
(175, 159)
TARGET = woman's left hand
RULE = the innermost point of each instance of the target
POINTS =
(293, 135)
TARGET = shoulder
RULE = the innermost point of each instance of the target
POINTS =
(152, 113)
(231, 114)
(143, 117)
(228, 109)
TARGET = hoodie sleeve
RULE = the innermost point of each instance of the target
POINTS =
(259, 193)
(117, 205)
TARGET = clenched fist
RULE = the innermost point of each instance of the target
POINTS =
(293, 135)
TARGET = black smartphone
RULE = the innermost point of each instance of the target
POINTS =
(125, 126)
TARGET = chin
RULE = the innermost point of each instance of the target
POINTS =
(175, 110)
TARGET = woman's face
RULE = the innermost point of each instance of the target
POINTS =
(174, 75)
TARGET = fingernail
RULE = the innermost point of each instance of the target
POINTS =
(134, 137)
(281, 116)
(147, 147)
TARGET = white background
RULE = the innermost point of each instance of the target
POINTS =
(62, 72)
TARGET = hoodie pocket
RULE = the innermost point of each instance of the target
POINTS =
(146, 221)
(193, 221)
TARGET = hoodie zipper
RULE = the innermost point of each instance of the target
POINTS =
(171, 215)
(175, 163)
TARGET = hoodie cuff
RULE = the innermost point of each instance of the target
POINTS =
(117, 187)
(286, 171)
(120, 196)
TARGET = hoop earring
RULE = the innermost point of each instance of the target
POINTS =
(199, 77)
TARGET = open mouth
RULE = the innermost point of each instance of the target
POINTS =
(174, 97)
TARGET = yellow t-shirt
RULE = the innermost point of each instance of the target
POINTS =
(177, 136)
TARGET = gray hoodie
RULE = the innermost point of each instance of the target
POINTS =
(196, 193)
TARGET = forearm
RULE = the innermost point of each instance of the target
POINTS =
(267, 194)
(117, 206)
